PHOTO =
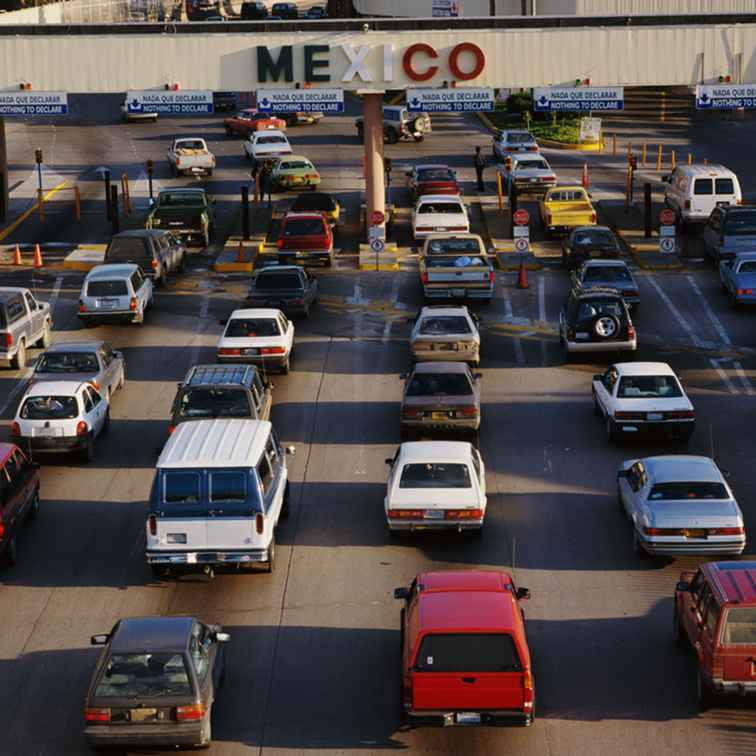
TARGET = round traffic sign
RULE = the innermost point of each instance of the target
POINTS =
(521, 217)
(667, 217)
(377, 218)
(667, 244)
(377, 245)
(521, 245)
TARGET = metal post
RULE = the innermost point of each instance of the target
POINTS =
(512, 207)
(106, 177)
(647, 210)
(77, 203)
(114, 208)
(4, 199)
(245, 212)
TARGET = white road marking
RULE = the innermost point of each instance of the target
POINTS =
(715, 321)
(516, 342)
(17, 389)
(194, 353)
(744, 379)
(715, 363)
(393, 296)
(675, 313)
(55, 292)
(358, 297)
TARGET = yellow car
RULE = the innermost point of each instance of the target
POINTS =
(566, 207)
(319, 202)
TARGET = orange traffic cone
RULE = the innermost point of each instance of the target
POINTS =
(240, 256)
(522, 278)
(38, 263)
(17, 256)
(585, 181)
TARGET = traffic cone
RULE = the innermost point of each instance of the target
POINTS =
(522, 278)
(17, 256)
(585, 181)
(38, 263)
(240, 256)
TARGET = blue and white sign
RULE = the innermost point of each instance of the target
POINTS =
(300, 100)
(32, 104)
(446, 8)
(456, 100)
(577, 99)
(725, 96)
(170, 102)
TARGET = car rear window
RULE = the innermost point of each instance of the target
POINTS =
(648, 386)
(441, 207)
(435, 174)
(593, 237)
(228, 486)
(304, 227)
(278, 281)
(613, 273)
(271, 140)
(740, 223)
(435, 475)
(295, 165)
(182, 199)
(143, 676)
(682, 491)
(747, 267)
(252, 327)
(724, 186)
(126, 249)
(443, 325)
(468, 652)
(703, 186)
(593, 308)
(67, 362)
(181, 487)
(115, 288)
(198, 403)
(439, 384)
(531, 165)
(322, 202)
(740, 626)
(567, 196)
(444, 246)
(50, 408)
(190, 144)
(520, 137)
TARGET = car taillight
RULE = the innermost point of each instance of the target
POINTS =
(311, 175)
(133, 303)
(152, 525)
(532, 148)
(631, 293)
(742, 292)
(549, 178)
(96, 715)
(593, 217)
(81, 428)
(491, 276)
(259, 523)
(424, 276)
(82, 308)
(467, 411)
(629, 415)
(154, 264)
(15, 429)
(664, 531)
(279, 243)
(680, 415)
(740, 202)
(630, 332)
(171, 429)
(411, 413)
(528, 694)
(456, 228)
(405, 514)
(228, 352)
(511, 149)
(726, 531)
(178, 161)
(717, 666)
(2, 530)
(191, 713)
(687, 204)
(463, 514)
(8, 340)
(273, 350)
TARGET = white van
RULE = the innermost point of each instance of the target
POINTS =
(220, 488)
(693, 191)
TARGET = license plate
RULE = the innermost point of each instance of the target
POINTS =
(458, 292)
(108, 303)
(175, 223)
(434, 514)
(533, 180)
(47, 432)
(468, 718)
(297, 179)
(252, 351)
(723, 204)
(142, 715)
(654, 416)
(439, 416)
(440, 228)
(695, 533)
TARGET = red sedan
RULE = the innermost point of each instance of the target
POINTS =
(431, 179)
(246, 121)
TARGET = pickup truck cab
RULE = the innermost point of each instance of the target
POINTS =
(464, 654)
(24, 323)
(306, 236)
(456, 266)
(290, 288)
(186, 213)
(190, 155)
(566, 207)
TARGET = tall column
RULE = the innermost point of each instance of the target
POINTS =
(3, 174)
(375, 190)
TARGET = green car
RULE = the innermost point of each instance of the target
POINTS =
(186, 213)
(294, 172)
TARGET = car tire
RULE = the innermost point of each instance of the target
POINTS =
(611, 430)
(271, 563)
(620, 504)
(45, 339)
(34, 507)
(19, 361)
(598, 319)
(637, 548)
(596, 409)
(360, 132)
(704, 693)
(733, 300)
(286, 504)
(229, 131)
(88, 451)
(158, 571)
(285, 366)
(392, 136)
(210, 172)
(681, 640)
(11, 552)
(419, 138)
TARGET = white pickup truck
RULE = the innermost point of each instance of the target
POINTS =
(190, 156)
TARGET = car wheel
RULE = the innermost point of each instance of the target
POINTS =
(19, 361)
(229, 132)
(285, 366)
(34, 507)
(596, 408)
(611, 430)
(285, 506)
(605, 326)
(210, 172)
(270, 564)
(566, 356)
(392, 136)
(637, 547)
(733, 300)
(88, 452)
(681, 640)
(46, 338)
(158, 571)
(11, 552)
(704, 693)
(360, 132)
(419, 138)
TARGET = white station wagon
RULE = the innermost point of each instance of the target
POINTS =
(436, 485)
(435, 213)
(115, 291)
(680, 504)
(259, 336)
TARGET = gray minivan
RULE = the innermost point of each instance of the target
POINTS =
(150, 249)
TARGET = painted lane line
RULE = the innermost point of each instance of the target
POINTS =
(715, 321)
(675, 313)
(744, 379)
(55, 292)
(542, 314)
(17, 389)
(393, 296)
(715, 363)
(194, 353)
(516, 342)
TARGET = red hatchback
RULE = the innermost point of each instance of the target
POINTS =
(715, 613)
(431, 179)
(19, 497)
(305, 236)
(246, 121)
(465, 658)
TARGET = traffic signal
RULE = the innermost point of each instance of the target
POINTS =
(38, 156)
(725, 79)
(508, 163)
(150, 167)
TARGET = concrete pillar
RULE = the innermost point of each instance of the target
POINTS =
(375, 190)
(4, 194)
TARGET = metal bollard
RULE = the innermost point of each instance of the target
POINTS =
(647, 220)
(245, 212)
(643, 155)
(106, 177)
(674, 160)
(41, 203)
(77, 203)
(659, 158)
(614, 145)
(114, 209)
(499, 192)
(690, 158)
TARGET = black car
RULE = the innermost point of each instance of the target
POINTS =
(210, 391)
(225, 101)
(253, 11)
(586, 242)
(285, 11)
(316, 12)
(318, 202)
(151, 250)
(155, 683)
(290, 288)
(596, 320)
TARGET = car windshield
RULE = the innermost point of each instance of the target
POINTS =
(520, 137)
(468, 652)
(441, 207)
(531, 165)
(692, 490)
(459, 261)
(304, 227)
(435, 475)
(126, 249)
(183, 199)
(143, 676)
(740, 223)
(113, 288)
(597, 236)
(252, 327)
(323, 202)
(442, 325)
(50, 408)
(648, 386)
(613, 273)
(593, 308)
(740, 626)
(439, 384)
(67, 362)
(271, 140)
(198, 403)
(435, 174)
(278, 281)
(446, 246)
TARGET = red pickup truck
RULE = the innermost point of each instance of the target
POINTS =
(246, 121)
(305, 236)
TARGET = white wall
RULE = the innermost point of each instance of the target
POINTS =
(45, 14)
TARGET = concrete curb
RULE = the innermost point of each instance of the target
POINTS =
(228, 260)
(85, 257)
(385, 261)
(588, 147)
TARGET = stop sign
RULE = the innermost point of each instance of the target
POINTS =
(377, 218)
(667, 217)
(521, 217)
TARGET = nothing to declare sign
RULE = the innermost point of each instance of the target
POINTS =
(445, 8)
(455, 100)
(575, 99)
(31, 104)
(300, 100)
(725, 96)
(170, 102)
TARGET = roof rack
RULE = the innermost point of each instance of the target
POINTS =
(219, 375)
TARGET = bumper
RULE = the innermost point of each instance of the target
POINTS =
(487, 718)
(448, 526)
(128, 316)
(316, 255)
(281, 304)
(303, 183)
(525, 186)
(172, 734)
(451, 292)
(446, 355)
(186, 234)
(602, 346)
(734, 687)
(679, 428)
(745, 299)
(191, 558)
(675, 545)
(450, 424)
(253, 359)
(51, 445)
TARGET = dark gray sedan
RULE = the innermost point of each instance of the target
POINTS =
(155, 683)
(613, 274)
(588, 242)
(92, 361)
(738, 278)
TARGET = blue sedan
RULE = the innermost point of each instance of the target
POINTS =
(738, 276)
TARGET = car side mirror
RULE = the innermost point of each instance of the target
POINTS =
(221, 637)
(683, 587)
(402, 593)
(99, 640)
(151, 203)
(389, 461)
(291, 451)
(522, 594)
(40, 306)
(269, 385)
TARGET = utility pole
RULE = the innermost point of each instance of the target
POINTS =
(3, 174)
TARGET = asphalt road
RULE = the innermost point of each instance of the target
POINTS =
(314, 657)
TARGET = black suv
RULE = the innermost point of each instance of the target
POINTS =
(151, 250)
(286, 11)
(596, 320)
(290, 288)
(253, 11)
(210, 391)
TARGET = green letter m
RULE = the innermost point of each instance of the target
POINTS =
(266, 65)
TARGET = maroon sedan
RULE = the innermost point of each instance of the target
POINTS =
(431, 179)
